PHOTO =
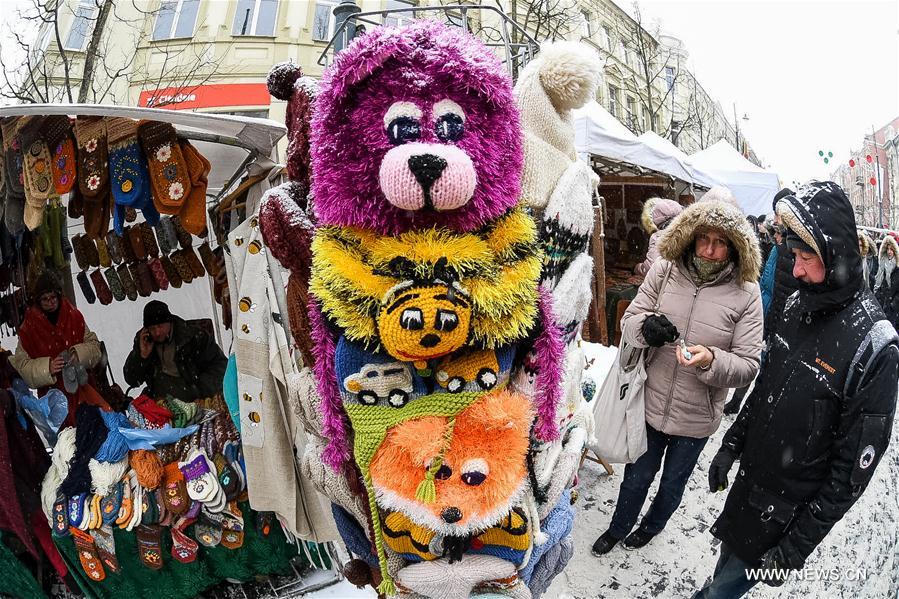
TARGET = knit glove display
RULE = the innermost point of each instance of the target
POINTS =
(658, 330)
(115, 284)
(150, 244)
(86, 288)
(171, 272)
(57, 132)
(127, 281)
(193, 214)
(718, 469)
(104, 294)
(93, 174)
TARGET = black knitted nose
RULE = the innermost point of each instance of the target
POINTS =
(427, 168)
(429, 340)
(451, 515)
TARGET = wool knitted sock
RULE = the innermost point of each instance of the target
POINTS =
(106, 547)
(127, 281)
(93, 174)
(110, 504)
(103, 292)
(171, 272)
(103, 253)
(144, 286)
(232, 527)
(193, 213)
(184, 549)
(169, 176)
(57, 132)
(114, 246)
(115, 284)
(149, 546)
(174, 489)
(185, 240)
(159, 276)
(208, 530)
(86, 289)
(88, 555)
(149, 236)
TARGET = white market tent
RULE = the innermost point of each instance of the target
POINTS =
(660, 144)
(598, 133)
(753, 186)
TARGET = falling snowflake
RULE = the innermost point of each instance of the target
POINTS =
(164, 152)
(91, 144)
(176, 190)
(93, 182)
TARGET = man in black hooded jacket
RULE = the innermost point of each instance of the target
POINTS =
(819, 419)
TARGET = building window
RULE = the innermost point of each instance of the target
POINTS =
(255, 17)
(588, 20)
(324, 22)
(399, 19)
(632, 115)
(85, 14)
(42, 41)
(669, 77)
(609, 37)
(176, 19)
(613, 100)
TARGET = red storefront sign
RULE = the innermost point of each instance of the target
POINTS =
(206, 96)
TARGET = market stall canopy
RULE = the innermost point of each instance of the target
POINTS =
(753, 186)
(659, 143)
(229, 142)
(598, 133)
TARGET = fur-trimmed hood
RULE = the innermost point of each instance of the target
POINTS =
(679, 236)
(866, 244)
(656, 211)
(890, 242)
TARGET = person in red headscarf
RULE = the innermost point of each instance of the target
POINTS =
(51, 326)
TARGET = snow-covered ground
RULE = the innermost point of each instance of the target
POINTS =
(682, 557)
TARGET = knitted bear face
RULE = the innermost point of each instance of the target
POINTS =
(482, 470)
(414, 128)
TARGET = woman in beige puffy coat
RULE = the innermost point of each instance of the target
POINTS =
(711, 301)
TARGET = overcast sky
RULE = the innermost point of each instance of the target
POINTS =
(810, 74)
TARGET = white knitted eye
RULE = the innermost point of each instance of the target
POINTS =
(449, 121)
(402, 109)
(474, 472)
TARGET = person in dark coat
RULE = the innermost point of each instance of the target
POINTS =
(775, 291)
(886, 282)
(868, 249)
(173, 358)
(819, 419)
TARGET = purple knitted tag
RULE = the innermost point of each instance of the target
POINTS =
(195, 469)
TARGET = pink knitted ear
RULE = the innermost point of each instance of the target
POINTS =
(337, 453)
(550, 355)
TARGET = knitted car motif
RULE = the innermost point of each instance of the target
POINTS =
(391, 382)
(482, 469)
(420, 323)
(480, 367)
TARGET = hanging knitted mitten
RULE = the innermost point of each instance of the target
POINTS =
(104, 294)
(57, 132)
(193, 214)
(169, 176)
(86, 288)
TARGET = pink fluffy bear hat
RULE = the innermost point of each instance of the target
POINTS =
(414, 128)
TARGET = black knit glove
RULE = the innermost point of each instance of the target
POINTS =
(775, 567)
(658, 330)
(718, 469)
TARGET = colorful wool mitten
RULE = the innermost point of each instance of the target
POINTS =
(130, 179)
(171, 272)
(162, 239)
(208, 530)
(114, 245)
(93, 174)
(169, 176)
(80, 251)
(91, 252)
(158, 272)
(37, 173)
(128, 254)
(185, 240)
(96, 214)
(115, 284)
(174, 490)
(127, 281)
(146, 276)
(103, 253)
(167, 230)
(202, 481)
(232, 527)
(144, 286)
(184, 549)
(193, 214)
(149, 545)
(57, 132)
(104, 294)
(86, 288)
(88, 555)
(150, 245)
(207, 256)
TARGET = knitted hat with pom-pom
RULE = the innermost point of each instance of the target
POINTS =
(286, 82)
